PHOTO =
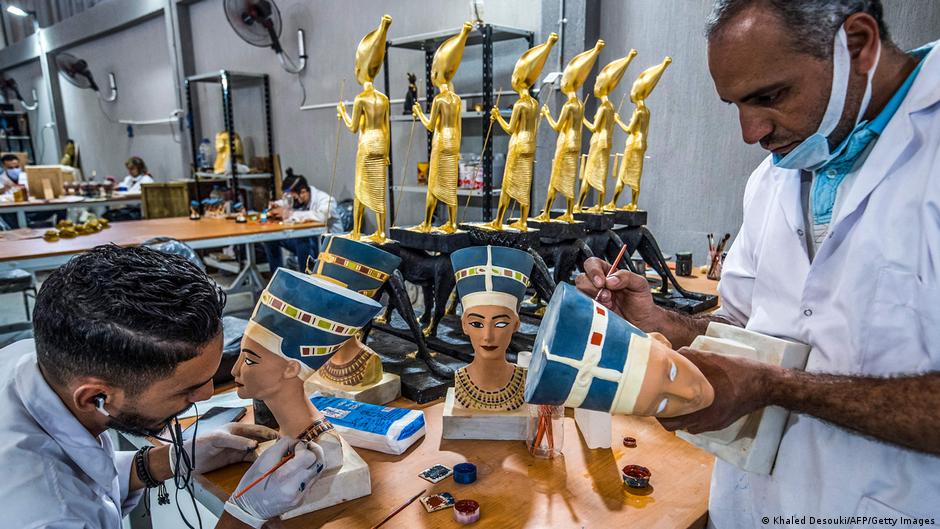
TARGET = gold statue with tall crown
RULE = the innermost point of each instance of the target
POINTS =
(445, 123)
(222, 152)
(370, 118)
(517, 177)
(569, 124)
(602, 132)
(631, 169)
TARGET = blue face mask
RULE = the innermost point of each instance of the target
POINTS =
(14, 174)
(814, 152)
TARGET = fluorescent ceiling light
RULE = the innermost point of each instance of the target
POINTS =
(13, 10)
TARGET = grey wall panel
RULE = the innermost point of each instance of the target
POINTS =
(305, 139)
(139, 58)
(697, 164)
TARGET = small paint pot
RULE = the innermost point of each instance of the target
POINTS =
(635, 476)
(466, 511)
(465, 473)
(629, 442)
(684, 264)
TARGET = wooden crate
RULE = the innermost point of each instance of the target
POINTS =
(163, 200)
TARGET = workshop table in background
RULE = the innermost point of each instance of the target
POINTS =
(37, 254)
(22, 208)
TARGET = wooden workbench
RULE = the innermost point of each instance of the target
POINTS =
(581, 489)
(37, 254)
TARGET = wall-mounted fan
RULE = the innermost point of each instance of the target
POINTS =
(76, 71)
(9, 86)
(258, 22)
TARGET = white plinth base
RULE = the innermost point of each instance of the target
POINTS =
(380, 393)
(751, 442)
(346, 483)
(462, 423)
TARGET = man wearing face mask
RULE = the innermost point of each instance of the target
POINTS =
(839, 249)
(12, 173)
(126, 339)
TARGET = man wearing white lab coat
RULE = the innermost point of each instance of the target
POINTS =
(839, 249)
(124, 339)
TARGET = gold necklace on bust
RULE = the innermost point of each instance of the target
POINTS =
(507, 398)
(350, 373)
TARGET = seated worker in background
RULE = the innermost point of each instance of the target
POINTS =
(137, 174)
(12, 173)
(305, 203)
(126, 339)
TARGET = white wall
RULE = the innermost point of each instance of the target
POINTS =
(139, 58)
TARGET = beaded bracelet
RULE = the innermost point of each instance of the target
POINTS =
(143, 468)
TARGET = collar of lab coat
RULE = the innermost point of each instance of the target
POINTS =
(94, 455)
(885, 154)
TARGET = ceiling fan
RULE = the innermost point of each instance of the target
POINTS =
(76, 71)
(9, 85)
(258, 22)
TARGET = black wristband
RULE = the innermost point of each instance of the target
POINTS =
(142, 467)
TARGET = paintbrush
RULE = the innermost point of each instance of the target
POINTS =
(613, 268)
(279, 464)
(398, 510)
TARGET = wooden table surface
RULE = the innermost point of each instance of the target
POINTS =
(583, 488)
(134, 232)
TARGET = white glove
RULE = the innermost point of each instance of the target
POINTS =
(233, 443)
(283, 490)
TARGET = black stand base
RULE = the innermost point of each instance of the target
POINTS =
(480, 236)
(595, 221)
(431, 242)
(630, 219)
(563, 231)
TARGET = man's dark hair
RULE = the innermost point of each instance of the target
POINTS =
(811, 23)
(295, 182)
(126, 315)
(138, 162)
(9, 158)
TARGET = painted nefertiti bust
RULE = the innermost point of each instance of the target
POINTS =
(445, 123)
(370, 119)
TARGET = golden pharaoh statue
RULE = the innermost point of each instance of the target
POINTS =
(517, 177)
(370, 118)
(445, 122)
(602, 132)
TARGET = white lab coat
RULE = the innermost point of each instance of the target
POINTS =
(869, 304)
(132, 184)
(320, 208)
(55, 474)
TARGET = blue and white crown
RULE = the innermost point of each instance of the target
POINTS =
(308, 319)
(355, 265)
(581, 356)
(491, 275)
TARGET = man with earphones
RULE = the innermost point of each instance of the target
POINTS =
(125, 339)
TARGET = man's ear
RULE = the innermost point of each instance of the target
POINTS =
(85, 395)
(292, 369)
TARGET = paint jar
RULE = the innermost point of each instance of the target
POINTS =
(639, 265)
(684, 264)
(545, 430)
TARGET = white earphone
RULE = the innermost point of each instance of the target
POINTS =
(99, 404)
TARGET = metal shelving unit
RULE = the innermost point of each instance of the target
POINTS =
(483, 35)
(227, 81)
(15, 136)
